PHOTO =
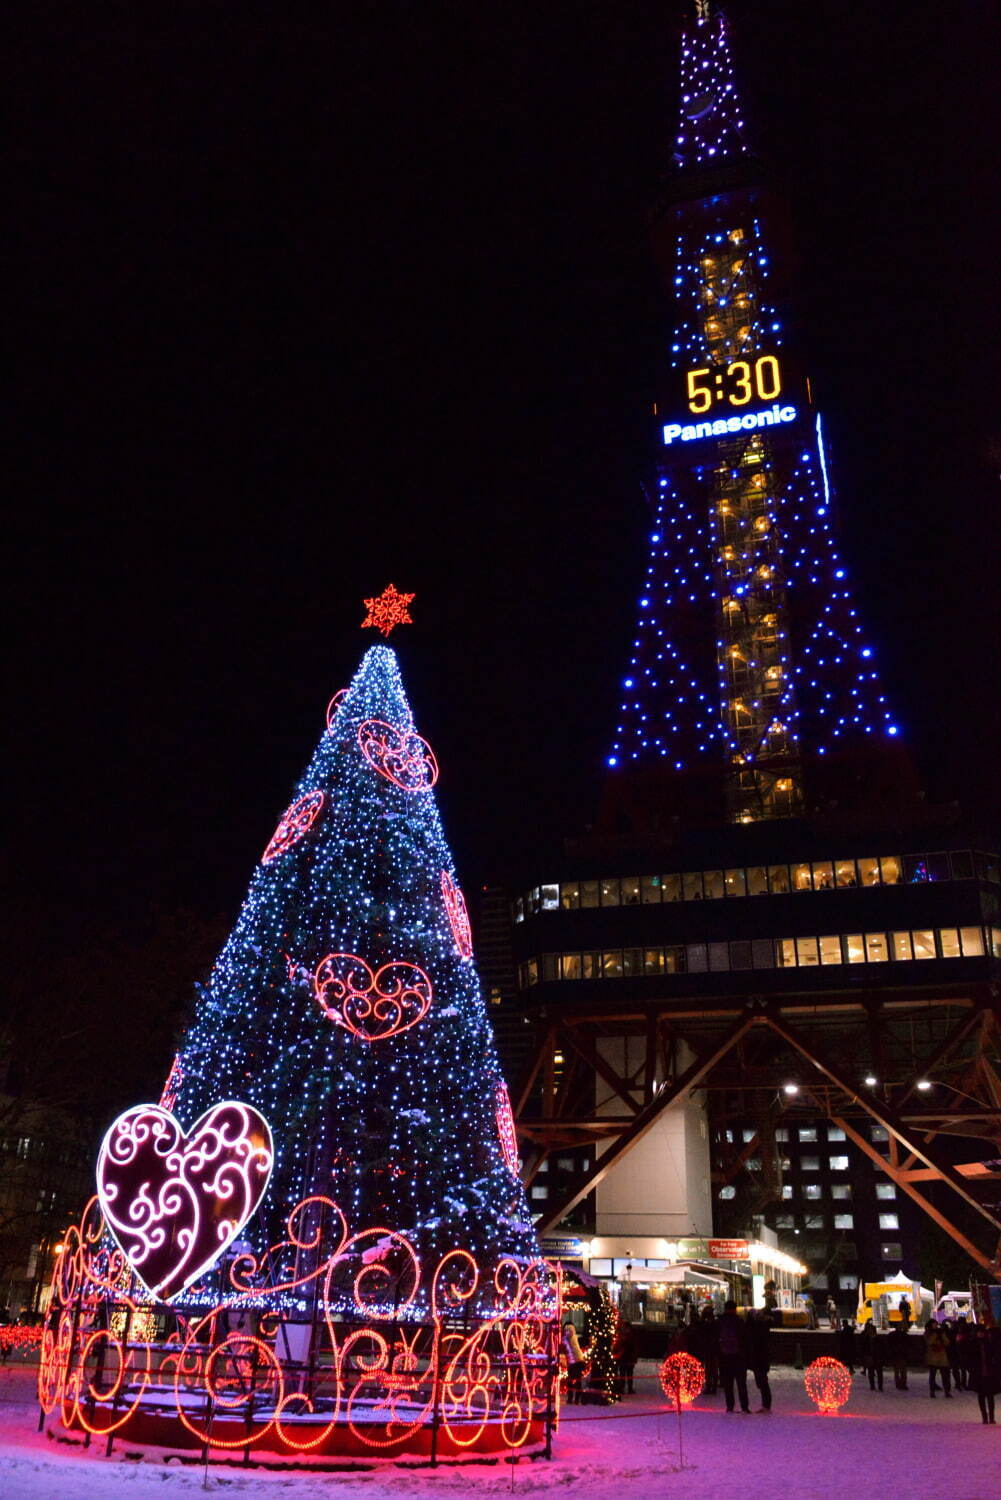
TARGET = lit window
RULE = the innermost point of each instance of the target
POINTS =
(632, 961)
(823, 876)
(786, 1192)
(855, 948)
(753, 1164)
(565, 1164)
(782, 1133)
(571, 966)
(747, 1135)
(713, 884)
(891, 1251)
(878, 1133)
(868, 871)
(735, 883)
(692, 884)
(889, 1221)
(778, 879)
(841, 1190)
(785, 1221)
(847, 1283)
(540, 1191)
(924, 943)
(809, 1163)
(889, 869)
(570, 895)
(801, 878)
(813, 1221)
(819, 1280)
(785, 953)
(843, 1221)
(806, 952)
(589, 893)
(949, 940)
(650, 889)
(670, 886)
(807, 1133)
(519, 910)
(901, 943)
(886, 1190)
(812, 1190)
(844, 872)
(611, 964)
(972, 939)
(610, 893)
(696, 958)
(835, 1133)
(830, 950)
(550, 897)
(839, 1164)
(757, 881)
(630, 890)
(875, 947)
(653, 960)
(728, 1192)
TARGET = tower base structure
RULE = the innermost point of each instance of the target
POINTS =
(357, 1353)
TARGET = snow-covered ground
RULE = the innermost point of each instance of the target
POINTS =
(892, 1446)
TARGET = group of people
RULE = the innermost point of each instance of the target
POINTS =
(731, 1346)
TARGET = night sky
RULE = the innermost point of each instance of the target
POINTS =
(307, 299)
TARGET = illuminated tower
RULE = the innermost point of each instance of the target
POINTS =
(749, 665)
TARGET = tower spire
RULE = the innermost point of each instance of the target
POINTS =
(710, 119)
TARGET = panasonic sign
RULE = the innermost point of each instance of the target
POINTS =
(772, 416)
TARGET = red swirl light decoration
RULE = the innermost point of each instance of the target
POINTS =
(174, 1201)
(401, 755)
(372, 1005)
(334, 705)
(175, 1078)
(828, 1384)
(506, 1131)
(399, 1349)
(458, 915)
(682, 1378)
(296, 821)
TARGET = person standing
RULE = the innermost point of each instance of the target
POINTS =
(733, 1357)
(958, 1353)
(937, 1357)
(832, 1313)
(759, 1328)
(985, 1369)
(904, 1308)
(624, 1352)
(898, 1353)
(703, 1340)
(872, 1355)
(575, 1364)
(846, 1345)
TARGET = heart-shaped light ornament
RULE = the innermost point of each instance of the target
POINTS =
(173, 1200)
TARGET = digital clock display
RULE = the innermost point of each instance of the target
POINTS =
(711, 387)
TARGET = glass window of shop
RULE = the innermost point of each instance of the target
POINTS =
(778, 879)
(571, 966)
(570, 895)
(550, 897)
(823, 876)
(807, 955)
(736, 885)
(972, 939)
(802, 880)
(611, 963)
(948, 938)
(853, 948)
(924, 943)
(757, 881)
(938, 866)
(844, 872)
(653, 960)
(630, 890)
(632, 962)
(900, 945)
(713, 884)
(590, 965)
(650, 890)
(692, 885)
(696, 958)
(610, 891)
(830, 950)
(889, 869)
(671, 887)
(868, 872)
(675, 960)
(785, 953)
(589, 893)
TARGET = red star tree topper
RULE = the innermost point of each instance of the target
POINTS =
(388, 610)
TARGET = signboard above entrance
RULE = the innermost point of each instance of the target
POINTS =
(728, 1249)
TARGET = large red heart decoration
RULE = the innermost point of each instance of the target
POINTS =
(373, 1006)
(174, 1201)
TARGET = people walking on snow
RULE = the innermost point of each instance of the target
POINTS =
(872, 1355)
(985, 1368)
(937, 1357)
(733, 1357)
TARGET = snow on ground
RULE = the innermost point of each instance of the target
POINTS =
(897, 1445)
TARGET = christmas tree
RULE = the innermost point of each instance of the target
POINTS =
(346, 1006)
(318, 1239)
